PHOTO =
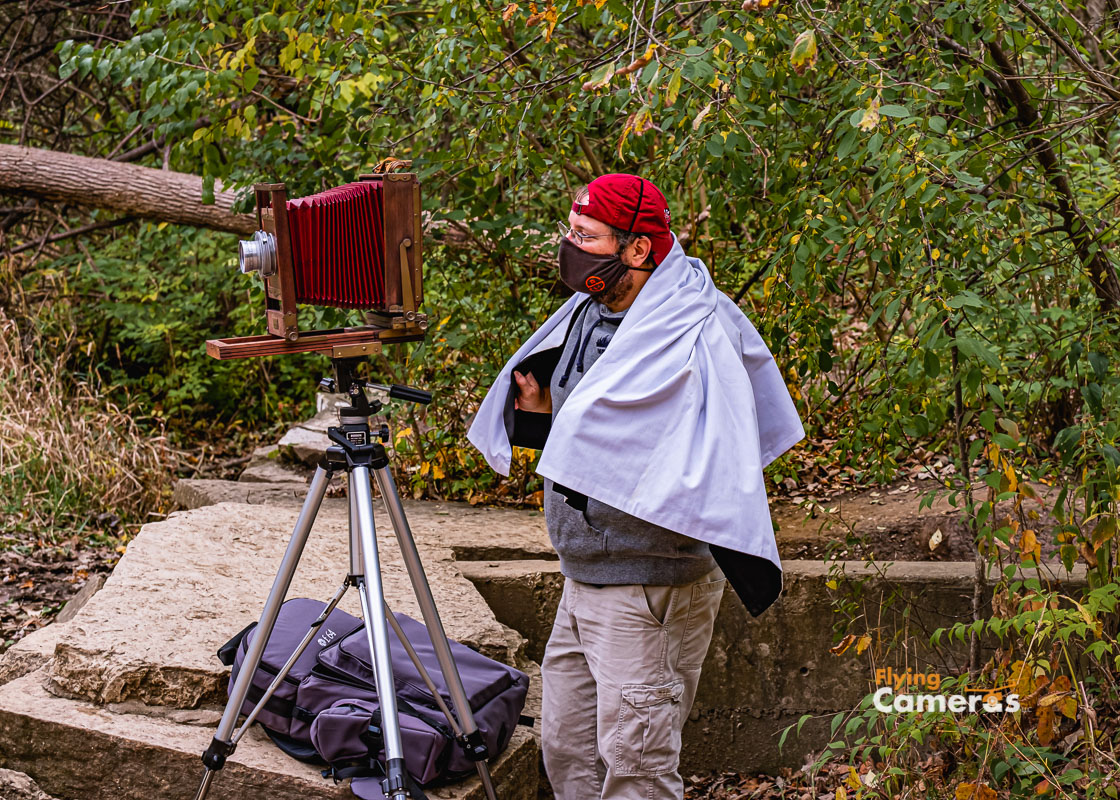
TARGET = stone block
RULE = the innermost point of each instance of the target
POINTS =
(763, 673)
(185, 585)
(472, 533)
(78, 751)
(307, 441)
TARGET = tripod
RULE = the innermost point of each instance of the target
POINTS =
(359, 452)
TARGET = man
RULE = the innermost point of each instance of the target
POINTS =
(646, 391)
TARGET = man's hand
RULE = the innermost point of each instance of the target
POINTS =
(530, 396)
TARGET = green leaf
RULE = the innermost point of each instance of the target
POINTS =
(932, 364)
(894, 111)
(1092, 393)
(1099, 362)
(976, 349)
(737, 41)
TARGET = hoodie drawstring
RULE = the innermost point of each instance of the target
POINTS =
(579, 351)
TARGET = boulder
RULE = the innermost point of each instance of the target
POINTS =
(120, 701)
(185, 585)
(79, 751)
(307, 441)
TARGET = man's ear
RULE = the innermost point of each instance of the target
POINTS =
(638, 252)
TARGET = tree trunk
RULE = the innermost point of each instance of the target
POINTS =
(154, 194)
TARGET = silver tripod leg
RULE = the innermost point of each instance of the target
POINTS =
(372, 595)
(427, 603)
(222, 744)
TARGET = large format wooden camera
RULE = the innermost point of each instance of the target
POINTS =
(354, 246)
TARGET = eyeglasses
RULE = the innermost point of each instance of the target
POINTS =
(580, 238)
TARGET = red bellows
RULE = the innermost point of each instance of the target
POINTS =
(337, 248)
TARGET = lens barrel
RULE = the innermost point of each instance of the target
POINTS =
(258, 254)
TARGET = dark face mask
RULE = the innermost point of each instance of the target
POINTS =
(593, 273)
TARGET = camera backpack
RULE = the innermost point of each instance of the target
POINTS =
(326, 710)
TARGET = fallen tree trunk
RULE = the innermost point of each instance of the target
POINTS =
(143, 192)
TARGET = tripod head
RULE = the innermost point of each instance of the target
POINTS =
(346, 381)
(354, 442)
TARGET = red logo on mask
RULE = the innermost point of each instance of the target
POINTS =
(595, 284)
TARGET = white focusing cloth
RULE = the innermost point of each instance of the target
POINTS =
(674, 422)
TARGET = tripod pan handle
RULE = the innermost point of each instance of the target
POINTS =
(399, 392)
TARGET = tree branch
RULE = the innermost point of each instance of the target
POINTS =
(1077, 228)
(58, 237)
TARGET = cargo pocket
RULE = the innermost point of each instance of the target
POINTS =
(648, 738)
(702, 610)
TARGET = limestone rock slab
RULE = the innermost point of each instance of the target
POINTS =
(473, 533)
(198, 492)
(17, 786)
(307, 441)
(186, 584)
(274, 471)
(77, 751)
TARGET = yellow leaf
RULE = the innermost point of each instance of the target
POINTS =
(839, 648)
(674, 88)
(437, 472)
(974, 791)
(1021, 678)
(1050, 699)
(1012, 478)
(1068, 707)
(804, 52)
(864, 643)
(1092, 623)
(870, 119)
(853, 779)
(935, 254)
(700, 117)
(510, 10)
(1105, 530)
(402, 433)
(1047, 725)
(1029, 547)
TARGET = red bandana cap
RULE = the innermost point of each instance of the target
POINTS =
(632, 204)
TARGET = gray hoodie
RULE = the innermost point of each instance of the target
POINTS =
(600, 544)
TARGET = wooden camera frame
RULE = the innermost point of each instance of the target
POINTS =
(398, 320)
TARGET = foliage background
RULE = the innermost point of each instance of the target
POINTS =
(916, 204)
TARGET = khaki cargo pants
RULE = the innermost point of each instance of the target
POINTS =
(619, 674)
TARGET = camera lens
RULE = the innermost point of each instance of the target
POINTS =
(257, 254)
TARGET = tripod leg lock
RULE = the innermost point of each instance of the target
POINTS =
(396, 784)
(215, 756)
(474, 746)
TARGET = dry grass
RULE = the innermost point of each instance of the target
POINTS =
(71, 461)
